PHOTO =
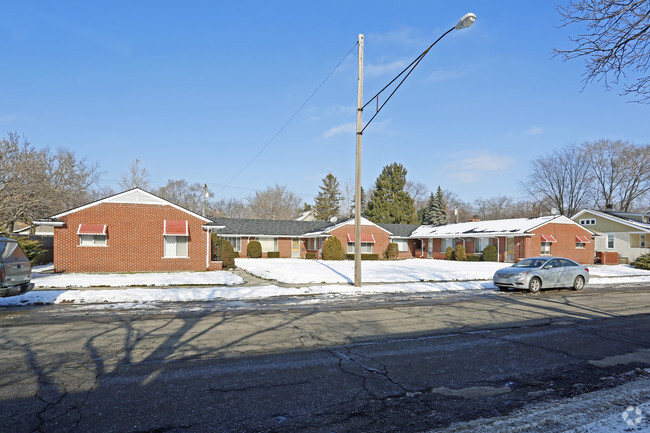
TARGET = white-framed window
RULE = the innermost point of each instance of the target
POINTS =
(313, 244)
(402, 244)
(546, 248)
(580, 245)
(92, 240)
(366, 247)
(268, 244)
(444, 243)
(235, 241)
(480, 244)
(588, 222)
(610, 240)
(642, 239)
(175, 246)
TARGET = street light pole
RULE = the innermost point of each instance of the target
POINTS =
(466, 21)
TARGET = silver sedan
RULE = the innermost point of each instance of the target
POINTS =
(536, 273)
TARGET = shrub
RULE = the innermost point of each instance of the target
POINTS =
(461, 254)
(332, 249)
(473, 257)
(254, 250)
(32, 248)
(392, 252)
(273, 254)
(310, 256)
(364, 256)
(450, 254)
(490, 254)
(222, 251)
(642, 262)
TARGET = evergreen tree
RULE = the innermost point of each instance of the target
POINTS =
(427, 214)
(389, 202)
(328, 200)
(439, 208)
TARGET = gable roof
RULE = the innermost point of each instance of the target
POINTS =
(260, 227)
(132, 196)
(503, 227)
(632, 223)
(400, 230)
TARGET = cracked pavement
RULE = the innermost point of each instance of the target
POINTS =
(431, 364)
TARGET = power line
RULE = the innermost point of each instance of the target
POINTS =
(227, 184)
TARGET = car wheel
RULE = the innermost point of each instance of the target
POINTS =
(579, 283)
(535, 285)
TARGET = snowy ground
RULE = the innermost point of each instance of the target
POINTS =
(314, 277)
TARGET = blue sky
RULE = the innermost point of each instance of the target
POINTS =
(196, 89)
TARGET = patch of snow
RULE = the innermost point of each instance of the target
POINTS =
(140, 279)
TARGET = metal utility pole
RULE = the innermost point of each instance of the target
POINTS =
(357, 192)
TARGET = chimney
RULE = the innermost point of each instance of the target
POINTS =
(474, 219)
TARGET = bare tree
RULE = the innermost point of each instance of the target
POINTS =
(276, 202)
(347, 204)
(135, 177)
(563, 179)
(230, 208)
(614, 44)
(457, 209)
(621, 172)
(36, 183)
(419, 192)
(189, 196)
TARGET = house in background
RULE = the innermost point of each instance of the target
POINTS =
(624, 233)
(515, 239)
(133, 231)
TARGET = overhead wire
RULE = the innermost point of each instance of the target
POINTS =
(279, 131)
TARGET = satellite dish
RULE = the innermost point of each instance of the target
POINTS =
(333, 219)
(554, 211)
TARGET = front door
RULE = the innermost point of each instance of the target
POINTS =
(295, 247)
(510, 249)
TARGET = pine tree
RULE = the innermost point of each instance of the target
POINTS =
(428, 212)
(440, 208)
(328, 200)
(389, 202)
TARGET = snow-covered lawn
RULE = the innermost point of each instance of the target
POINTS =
(300, 271)
(141, 279)
(316, 277)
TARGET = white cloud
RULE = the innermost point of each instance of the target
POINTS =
(470, 167)
(535, 130)
(346, 128)
(381, 69)
(442, 75)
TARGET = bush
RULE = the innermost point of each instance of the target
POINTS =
(310, 256)
(450, 254)
(461, 254)
(490, 254)
(642, 262)
(254, 250)
(222, 251)
(273, 254)
(364, 256)
(332, 249)
(473, 257)
(31, 248)
(392, 252)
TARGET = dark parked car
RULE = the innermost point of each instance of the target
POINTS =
(15, 269)
(542, 272)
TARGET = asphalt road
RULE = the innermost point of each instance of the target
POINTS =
(380, 364)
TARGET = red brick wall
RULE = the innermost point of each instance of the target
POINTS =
(381, 237)
(565, 246)
(135, 240)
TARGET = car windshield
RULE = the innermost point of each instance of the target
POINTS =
(530, 263)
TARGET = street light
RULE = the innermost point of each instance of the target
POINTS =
(466, 21)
